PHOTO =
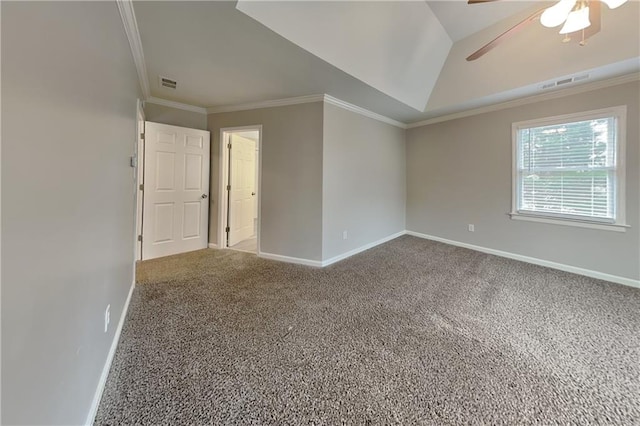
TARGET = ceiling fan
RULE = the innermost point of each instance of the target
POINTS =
(581, 20)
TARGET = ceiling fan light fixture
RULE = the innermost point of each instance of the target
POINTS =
(557, 14)
(576, 21)
(614, 3)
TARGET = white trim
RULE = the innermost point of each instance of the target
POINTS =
(305, 100)
(213, 246)
(223, 180)
(569, 222)
(546, 263)
(560, 93)
(223, 169)
(288, 259)
(1, 399)
(128, 16)
(140, 109)
(620, 113)
(365, 112)
(138, 169)
(178, 105)
(107, 365)
(620, 110)
(323, 263)
(266, 104)
(361, 249)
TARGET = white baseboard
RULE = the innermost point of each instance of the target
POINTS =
(549, 264)
(296, 260)
(554, 265)
(107, 365)
(212, 245)
(323, 263)
(361, 249)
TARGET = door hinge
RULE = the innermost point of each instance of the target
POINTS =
(229, 145)
(142, 187)
(227, 229)
(140, 238)
(228, 187)
(142, 136)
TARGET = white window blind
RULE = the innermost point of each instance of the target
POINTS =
(569, 170)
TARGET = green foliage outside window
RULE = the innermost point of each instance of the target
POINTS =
(568, 169)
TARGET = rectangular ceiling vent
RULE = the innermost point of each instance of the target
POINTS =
(580, 77)
(565, 81)
(167, 82)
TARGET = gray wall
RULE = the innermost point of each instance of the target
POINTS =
(291, 210)
(67, 202)
(364, 181)
(459, 172)
(174, 116)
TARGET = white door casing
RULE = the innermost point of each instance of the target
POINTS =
(242, 194)
(139, 169)
(255, 198)
(176, 190)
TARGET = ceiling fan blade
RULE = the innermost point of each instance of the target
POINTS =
(505, 35)
(480, 1)
(595, 8)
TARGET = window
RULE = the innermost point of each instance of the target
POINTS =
(570, 169)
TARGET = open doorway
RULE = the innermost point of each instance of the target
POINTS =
(239, 224)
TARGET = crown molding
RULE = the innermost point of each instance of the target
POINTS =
(365, 112)
(133, 35)
(560, 93)
(567, 91)
(128, 16)
(178, 105)
(305, 100)
(266, 104)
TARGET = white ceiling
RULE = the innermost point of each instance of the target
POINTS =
(397, 47)
(460, 19)
(533, 57)
(220, 56)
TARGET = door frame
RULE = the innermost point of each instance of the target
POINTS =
(139, 179)
(223, 181)
(137, 161)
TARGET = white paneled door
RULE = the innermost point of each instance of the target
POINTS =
(243, 189)
(176, 190)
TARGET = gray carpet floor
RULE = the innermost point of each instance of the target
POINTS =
(409, 332)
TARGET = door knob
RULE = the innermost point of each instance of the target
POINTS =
(253, 193)
(204, 195)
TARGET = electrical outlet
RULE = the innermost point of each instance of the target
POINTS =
(471, 227)
(345, 235)
(107, 318)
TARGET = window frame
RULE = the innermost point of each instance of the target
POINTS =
(619, 224)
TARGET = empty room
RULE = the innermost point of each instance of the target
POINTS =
(320, 212)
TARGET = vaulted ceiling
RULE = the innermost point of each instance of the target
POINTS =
(404, 60)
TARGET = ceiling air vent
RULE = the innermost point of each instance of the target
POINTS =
(167, 82)
(565, 81)
(581, 77)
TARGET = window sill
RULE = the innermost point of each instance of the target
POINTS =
(615, 227)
